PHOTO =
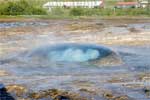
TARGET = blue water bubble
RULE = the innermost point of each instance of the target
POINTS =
(71, 52)
(73, 55)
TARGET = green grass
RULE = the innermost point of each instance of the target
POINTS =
(21, 7)
(33, 8)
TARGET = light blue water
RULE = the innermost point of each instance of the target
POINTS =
(71, 52)
(73, 55)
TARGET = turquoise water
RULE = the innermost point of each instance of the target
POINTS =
(71, 52)
(74, 55)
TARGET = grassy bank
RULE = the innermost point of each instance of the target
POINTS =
(97, 12)
(31, 8)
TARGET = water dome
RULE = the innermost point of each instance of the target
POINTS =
(75, 53)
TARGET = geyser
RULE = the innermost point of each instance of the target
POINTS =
(75, 53)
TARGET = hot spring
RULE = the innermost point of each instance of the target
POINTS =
(60, 59)
(75, 53)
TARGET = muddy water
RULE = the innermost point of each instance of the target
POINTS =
(128, 39)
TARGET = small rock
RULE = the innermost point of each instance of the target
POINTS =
(147, 91)
(56, 95)
(18, 90)
(87, 91)
(62, 98)
(133, 29)
(100, 24)
(122, 98)
(4, 95)
(109, 96)
(116, 80)
(84, 90)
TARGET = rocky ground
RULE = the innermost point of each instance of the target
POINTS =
(131, 37)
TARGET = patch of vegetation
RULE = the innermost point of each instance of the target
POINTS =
(131, 12)
(89, 12)
(77, 11)
(21, 7)
(26, 8)
(107, 12)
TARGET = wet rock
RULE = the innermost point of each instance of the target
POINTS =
(52, 93)
(143, 76)
(108, 96)
(23, 99)
(100, 24)
(18, 90)
(55, 94)
(60, 97)
(4, 95)
(116, 80)
(133, 29)
(122, 98)
(87, 91)
(111, 96)
(36, 95)
(147, 91)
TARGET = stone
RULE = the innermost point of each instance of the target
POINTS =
(111, 96)
(55, 95)
(87, 91)
(108, 96)
(122, 98)
(147, 91)
(60, 97)
(4, 95)
(18, 90)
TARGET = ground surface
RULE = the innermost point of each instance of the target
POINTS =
(129, 38)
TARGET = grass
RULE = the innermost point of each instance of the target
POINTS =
(21, 7)
(33, 8)
(99, 12)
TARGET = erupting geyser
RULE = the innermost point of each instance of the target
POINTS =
(76, 53)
